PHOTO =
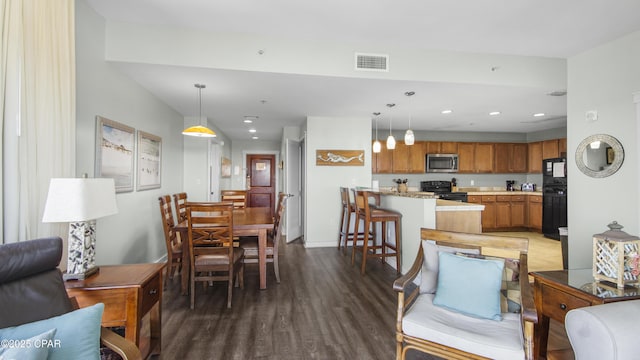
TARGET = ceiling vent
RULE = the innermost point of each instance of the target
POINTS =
(372, 62)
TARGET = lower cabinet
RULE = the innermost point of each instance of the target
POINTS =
(509, 212)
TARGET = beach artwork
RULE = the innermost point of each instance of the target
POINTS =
(149, 161)
(340, 157)
(114, 153)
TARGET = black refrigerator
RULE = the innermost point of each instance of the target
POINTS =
(554, 196)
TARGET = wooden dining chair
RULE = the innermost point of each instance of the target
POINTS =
(250, 243)
(238, 197)
(171, 237)
(211, 251)
(180, 200)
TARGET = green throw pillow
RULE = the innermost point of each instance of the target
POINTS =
(77, 333)
(469, 286)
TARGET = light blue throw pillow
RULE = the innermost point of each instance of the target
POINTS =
(469, 286)
(33, 348)
(77, 333)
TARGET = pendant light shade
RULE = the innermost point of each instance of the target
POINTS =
(377, 146)
(391, 141)
(199, 130)
(409, 138)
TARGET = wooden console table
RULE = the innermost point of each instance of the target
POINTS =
(129, 292)
(557, 292)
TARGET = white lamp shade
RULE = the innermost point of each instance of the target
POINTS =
(391, 142)
(409, 138)
(80, 199)
(377, 146)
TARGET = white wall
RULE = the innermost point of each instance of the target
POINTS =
(323, 182)
(603, 79)
(135, 234)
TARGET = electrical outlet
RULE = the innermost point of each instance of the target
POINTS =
(473, 182)
(591, 115)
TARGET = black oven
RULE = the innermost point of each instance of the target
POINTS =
(442, 189)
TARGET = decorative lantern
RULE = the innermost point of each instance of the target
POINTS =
(616, 257)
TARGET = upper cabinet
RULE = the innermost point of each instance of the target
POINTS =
(441, 147)
(546, 149)
(510, 158)
(475, 157)
(409, 159)
(404, 159)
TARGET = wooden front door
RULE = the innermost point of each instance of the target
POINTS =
(262, 180)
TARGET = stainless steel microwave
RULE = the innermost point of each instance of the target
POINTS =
(443, 163)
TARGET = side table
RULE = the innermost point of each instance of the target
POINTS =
(557, 292)
(129, 293)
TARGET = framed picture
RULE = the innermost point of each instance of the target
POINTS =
(340, 157)
(225, 168)
(149, 161)
(114, 152)
(611, 155)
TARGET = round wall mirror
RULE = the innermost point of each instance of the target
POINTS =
(599, 155)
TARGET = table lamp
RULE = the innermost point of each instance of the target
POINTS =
(80, 201)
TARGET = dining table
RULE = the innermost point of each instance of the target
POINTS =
(250, 221)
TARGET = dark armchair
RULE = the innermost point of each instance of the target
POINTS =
(32, 289)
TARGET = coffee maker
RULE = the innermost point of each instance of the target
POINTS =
(510, 185)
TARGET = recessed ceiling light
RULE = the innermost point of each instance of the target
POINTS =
(255, 137)
(494, 113)
(538, 114)
(250, 119)
(252, 130)
(446, 111)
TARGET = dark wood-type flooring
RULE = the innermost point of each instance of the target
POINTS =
(322, 309)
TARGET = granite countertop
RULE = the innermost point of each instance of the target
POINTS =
(410, 194)
(496, 191)
(448, 205)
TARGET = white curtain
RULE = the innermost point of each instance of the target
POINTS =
(37, 77)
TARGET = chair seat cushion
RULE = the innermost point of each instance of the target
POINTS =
(489, 338)
(218, 259)
(250, 245)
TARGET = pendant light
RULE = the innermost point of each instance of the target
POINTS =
(409, 138)
(199, 130)
(377, 146)
(391, 141)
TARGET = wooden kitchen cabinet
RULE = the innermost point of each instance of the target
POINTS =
(408, 159)
(518, 210)
(562, 147)
(534, 155)
(503, 211)
(489, 213)
(382, 162)
(475, 157)
(441, 147)
(550, 149)
(534, 212)
(510, 158)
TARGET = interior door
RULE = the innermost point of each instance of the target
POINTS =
(261, 191)
(293, 216)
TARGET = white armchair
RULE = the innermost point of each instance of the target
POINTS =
(467, 296)
(605, 332)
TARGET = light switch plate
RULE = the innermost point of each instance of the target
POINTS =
(591, 115)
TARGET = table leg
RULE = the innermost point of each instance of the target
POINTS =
(185, 270)
(262, 257)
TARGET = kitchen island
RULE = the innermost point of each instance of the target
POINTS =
(424, 210)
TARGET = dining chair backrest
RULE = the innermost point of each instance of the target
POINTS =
(172, 238)
(180, 200)
(238, 197)
(210, 224)
(279, 210)
(362, 201)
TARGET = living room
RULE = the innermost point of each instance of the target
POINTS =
(604, 77)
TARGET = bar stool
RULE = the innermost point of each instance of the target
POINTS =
(371, 215)
(346, 232)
